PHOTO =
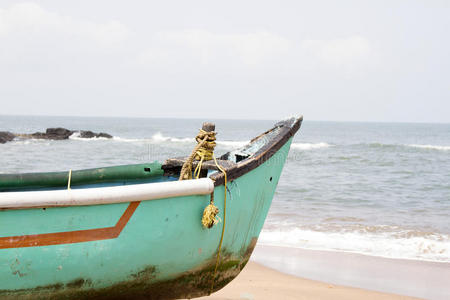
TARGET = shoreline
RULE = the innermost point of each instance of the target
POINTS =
(413, 278)
(277, 272)
(258, 282)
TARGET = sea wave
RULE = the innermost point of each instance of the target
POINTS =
(235, 144)
(156, 138)
(378, 145)
(128, 140)
(309, 146)
(18, 141)
(405, 245)
(432, 147)
(397, 146)
(159, 138)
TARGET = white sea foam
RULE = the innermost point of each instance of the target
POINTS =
(76, 136)
(159, 137)
(234, 144)
(30, 142)
(125, 140)
(156, 138)
(433, 147)
(309, 146)
(431, 247)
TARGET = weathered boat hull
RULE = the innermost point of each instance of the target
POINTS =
(154, 249)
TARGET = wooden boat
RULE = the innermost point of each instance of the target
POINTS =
(135, 232)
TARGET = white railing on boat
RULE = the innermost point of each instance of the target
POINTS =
(106, 195)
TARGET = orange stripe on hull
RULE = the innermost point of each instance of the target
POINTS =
(70, 237)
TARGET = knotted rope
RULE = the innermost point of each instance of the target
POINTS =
(204, 151)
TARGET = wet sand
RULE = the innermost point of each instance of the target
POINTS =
(259, 282)
(281, 272)
(423, 279)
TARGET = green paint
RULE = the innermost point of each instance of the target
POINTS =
(162, 253)
(126, 173)
(87, 217)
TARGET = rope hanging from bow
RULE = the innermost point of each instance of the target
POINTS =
(204, 151)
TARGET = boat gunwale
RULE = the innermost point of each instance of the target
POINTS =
(287, 130)
(105, 195)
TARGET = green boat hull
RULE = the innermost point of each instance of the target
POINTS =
(153, 249)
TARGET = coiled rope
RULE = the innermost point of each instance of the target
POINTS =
(204, 151)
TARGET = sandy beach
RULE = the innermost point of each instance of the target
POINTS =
(259, 282)
(291, 273)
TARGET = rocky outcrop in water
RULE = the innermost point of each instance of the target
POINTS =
(6, 136)
(52, 134)
(89, 134)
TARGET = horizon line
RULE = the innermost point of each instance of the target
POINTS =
(221, 118)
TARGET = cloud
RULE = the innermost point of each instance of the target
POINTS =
(33, 21)
(338, 51)
(34, 37)
(205, 47)
(202, 48)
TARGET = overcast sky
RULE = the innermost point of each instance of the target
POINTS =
(328, 60)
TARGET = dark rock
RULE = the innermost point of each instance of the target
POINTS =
(58, 133)
(51, 134)
(87, 134)
(104, 135)
(6, 136)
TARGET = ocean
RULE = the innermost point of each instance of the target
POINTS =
(379, 189)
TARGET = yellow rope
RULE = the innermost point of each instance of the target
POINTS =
(204, 151)
(70, 179)
(224, 219)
